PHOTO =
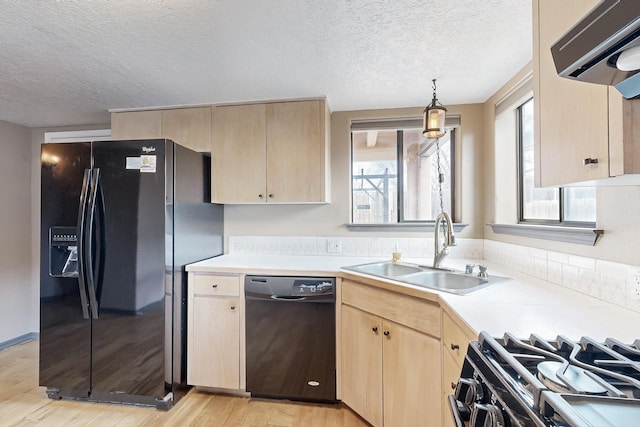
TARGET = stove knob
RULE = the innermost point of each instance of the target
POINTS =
(486, 416)
(468, 390)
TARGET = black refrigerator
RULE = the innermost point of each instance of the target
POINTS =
(120, 220)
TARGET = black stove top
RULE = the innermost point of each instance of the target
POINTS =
(535, 382)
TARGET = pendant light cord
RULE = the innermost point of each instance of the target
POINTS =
(440, 181)
(440, 175)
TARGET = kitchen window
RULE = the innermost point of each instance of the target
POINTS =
(571, 206)
(395, 173)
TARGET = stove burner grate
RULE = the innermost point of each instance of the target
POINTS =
(565, 378)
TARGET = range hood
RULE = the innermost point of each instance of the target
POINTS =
(604, 47)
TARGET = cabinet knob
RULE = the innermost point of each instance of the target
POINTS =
(375, 329)
(387, 333)
(455, 347)
(271, 196)
(261, 196)
(453, 385)
(215, 285)
(590, 161)
(233, 307)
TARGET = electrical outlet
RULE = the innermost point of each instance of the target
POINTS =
(634, 286)
(334, 246)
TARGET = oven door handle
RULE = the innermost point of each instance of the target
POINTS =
(455, 411)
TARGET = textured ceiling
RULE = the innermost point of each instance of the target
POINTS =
(67, 62)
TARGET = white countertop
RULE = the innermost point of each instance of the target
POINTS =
(522, 306)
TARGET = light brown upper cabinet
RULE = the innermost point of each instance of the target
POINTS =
(136, 125)
(271, 153)
(239, 149)
(577, 123)
(190, 127)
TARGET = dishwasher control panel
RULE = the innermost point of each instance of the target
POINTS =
(290, 286)
(313, 286)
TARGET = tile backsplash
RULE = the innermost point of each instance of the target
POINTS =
(410, 247)
(609, 281)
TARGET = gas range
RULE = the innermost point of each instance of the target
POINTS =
(540, 383)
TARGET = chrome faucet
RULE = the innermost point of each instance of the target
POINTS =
(439, 254)
(482, 270)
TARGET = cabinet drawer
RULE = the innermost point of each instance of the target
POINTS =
(210, 284)
(415, 313)
(455, 338)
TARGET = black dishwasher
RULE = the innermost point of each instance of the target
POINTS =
(291, 341)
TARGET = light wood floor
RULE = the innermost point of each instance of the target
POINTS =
(24, 403)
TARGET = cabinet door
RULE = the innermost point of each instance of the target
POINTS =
(215, 343)
(295, 152)
(238, 170)
(362, 363)
(136, 125)
(450, 374)
(411, 377)
(190, 127)
(571, 116)
(455, 340)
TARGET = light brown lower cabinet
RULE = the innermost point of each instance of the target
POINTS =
(214, 332)
(411, 376)
(362, 363)
(456, 336)
(451, 373)
(391, 373)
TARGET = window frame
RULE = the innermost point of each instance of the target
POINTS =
(561, 199)
(400, 180)
(452, 178)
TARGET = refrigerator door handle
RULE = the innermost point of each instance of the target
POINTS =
(100, 232)
(82, 212)
(91, 285)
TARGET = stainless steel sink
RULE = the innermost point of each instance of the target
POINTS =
(451, 281)
(386, 269)
(457, 283)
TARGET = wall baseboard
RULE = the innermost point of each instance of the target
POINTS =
(18, 340)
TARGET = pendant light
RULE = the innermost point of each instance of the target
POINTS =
(434, 118)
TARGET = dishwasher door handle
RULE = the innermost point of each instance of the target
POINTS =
(288, 298)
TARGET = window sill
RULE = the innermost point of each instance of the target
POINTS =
(404, 226)
(577, 235)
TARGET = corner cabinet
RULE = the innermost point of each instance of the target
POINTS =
(576, 122)
(271, 153)
(214, 332)
(190, 127)
(390, 356)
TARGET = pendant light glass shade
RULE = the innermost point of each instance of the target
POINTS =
(434, 118)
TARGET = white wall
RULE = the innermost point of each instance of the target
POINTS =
(330, 219)
(16, 291)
